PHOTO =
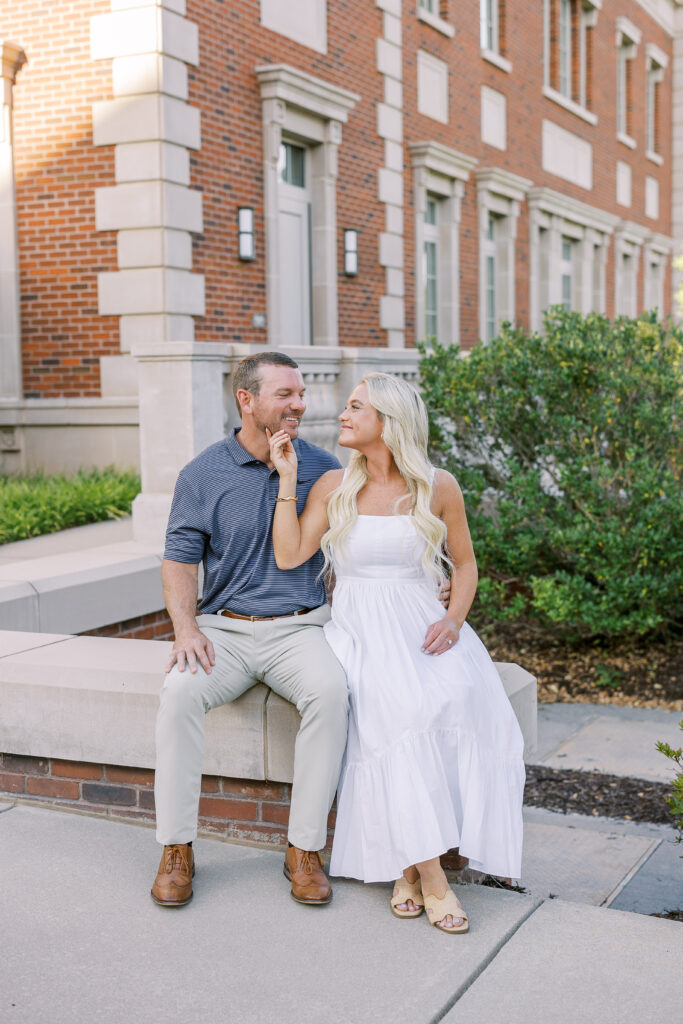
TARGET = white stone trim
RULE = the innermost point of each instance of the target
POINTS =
(656, 250)
(304, 21)
(552, 215)
(432, 86)
(629, 238)
(151, 126)
(627, 33)
(495, 58)
(570, 105)
(663, 12)
(444, 27)
(12, 58)
(390, 182)
(441, 171)
(655, 55)
(311, 109)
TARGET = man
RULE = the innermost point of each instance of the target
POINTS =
(257, 623)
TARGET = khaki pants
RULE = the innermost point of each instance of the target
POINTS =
(293, 658)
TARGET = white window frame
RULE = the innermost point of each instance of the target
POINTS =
(313, 111)
(441, 173)
(657, 252)
(629, 239)
(588, 19)
(567, 271)
(628, 39)
(657, 62)
(553, 216)
(429, 11)
(489, 14)
(430, 238)
(499, 194)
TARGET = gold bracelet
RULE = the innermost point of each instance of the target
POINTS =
(292, 497)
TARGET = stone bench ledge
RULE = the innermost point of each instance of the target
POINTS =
(94, 699)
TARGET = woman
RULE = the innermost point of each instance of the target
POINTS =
(434, 754)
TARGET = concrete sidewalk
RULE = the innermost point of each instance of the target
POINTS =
(84, 944)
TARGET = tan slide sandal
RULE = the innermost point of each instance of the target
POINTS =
(404, 891)
(439, 909)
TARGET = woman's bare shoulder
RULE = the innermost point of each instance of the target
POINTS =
(327, 483)
(445, 489)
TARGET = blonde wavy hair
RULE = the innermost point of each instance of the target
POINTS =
(404, 431)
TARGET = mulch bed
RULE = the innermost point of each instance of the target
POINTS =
(645, 673)
(610, 796)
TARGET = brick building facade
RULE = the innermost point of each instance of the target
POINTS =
(342, 179)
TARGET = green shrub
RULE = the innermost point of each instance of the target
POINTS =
(38, 504)
(568, 451)
(675, 801)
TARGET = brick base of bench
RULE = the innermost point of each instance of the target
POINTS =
(239, 809)
(155, 626)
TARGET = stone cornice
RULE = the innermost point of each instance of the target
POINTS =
(442, 160)
(503, 183)
(548, 201)
(299, 89)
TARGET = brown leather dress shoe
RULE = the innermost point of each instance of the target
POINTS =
(305, 872)
(173, 884)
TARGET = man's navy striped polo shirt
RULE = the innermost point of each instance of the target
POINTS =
(222, 514)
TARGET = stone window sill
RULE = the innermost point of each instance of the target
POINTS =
(655, 157)
(570, 105)
(436, 22)
(626, 139)
(495, 58)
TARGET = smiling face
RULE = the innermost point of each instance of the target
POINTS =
(360, 423)
(279, 404)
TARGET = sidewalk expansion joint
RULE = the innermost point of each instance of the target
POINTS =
(10, 807)
(460, 992)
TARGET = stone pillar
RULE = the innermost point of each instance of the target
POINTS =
(390, 176)
(183, 409)
(154, 212)
(12, 57)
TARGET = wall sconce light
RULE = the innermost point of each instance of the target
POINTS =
(351, 253)
(245, 226)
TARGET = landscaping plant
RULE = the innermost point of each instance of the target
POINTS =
(675, 801)
(38, 504)
(567, 446)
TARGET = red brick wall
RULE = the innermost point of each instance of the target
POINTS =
(236, 809)
(57, 169)
(526, 109)
(229, 167)
(155, 626)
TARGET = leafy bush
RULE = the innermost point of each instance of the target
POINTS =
(675, 801)
(38, 504)
(568, 451)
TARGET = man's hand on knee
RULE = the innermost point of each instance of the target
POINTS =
(190, 648)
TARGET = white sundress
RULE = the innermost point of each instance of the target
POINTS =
(434, 752)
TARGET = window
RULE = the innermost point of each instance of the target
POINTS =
(294, 208)
(566, 272)
(566, 48)
(431, 6)
(499, 195)
(628, 38)
(431, 269)
(492, 32)
(439, 175)
(490, 282)
(568, 243)
(628, 246)
(657, 255)
(568, 53)
(657, 61)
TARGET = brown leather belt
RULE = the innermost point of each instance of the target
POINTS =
(261, 618)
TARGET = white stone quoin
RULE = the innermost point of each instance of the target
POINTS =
(154, 212)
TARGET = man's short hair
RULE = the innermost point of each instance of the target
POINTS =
(247, 374)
